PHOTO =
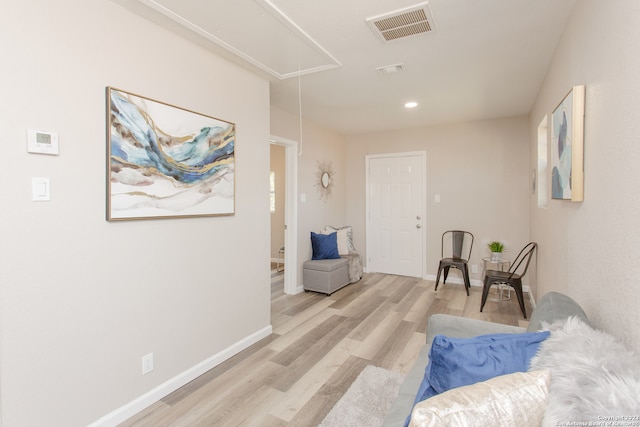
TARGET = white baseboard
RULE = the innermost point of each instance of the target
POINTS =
(476, 282)
(532, 300)
(132, 408)
(459, 281)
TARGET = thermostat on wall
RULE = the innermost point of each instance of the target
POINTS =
(42, 142)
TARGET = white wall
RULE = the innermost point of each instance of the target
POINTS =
(83, 299)
(317, 144)
(479, 169)
(591, 248)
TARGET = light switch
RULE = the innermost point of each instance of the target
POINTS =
(40, 191)
(436, 198)
(303, 197)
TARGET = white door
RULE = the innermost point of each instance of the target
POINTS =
(395, 220)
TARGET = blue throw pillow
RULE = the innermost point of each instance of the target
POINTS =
(456, 362)
(325, 246)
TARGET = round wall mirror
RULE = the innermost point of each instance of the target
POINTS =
(325, 179)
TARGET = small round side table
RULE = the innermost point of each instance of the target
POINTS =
(504, 290)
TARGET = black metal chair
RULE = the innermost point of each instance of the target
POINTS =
(513, 277)
(457, 245)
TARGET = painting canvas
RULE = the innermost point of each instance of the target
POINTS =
(567, 135)
(165, 161)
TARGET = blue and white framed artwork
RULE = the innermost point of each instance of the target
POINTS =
(567, 147)
(165, 161)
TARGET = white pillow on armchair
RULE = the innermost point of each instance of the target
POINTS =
(345, 239)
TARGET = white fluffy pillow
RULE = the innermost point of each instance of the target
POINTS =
(345, 240)
(592, 374)
(517, 399)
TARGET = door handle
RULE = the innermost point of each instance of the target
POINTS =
(418, 217)
(418, 225)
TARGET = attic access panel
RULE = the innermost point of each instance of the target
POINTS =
(254, 30)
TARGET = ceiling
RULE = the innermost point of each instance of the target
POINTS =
(481, 58)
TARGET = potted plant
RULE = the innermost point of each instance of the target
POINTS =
(496, 249)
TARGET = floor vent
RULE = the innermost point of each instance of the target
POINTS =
(408, 22)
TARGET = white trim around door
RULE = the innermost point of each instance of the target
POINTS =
(396, 213)
(290, 214)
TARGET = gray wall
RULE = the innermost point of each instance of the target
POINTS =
(479, 169)
(82, 300)
(317, 144)
(589, 250)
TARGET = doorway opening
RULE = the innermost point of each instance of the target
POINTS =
(290, 227)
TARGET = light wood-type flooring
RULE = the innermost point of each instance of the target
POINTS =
(318, 347)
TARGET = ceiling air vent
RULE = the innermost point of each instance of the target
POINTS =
(388, 69)
(408, 22)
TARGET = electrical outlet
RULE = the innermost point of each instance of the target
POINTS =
(147, 363)
(474, 268)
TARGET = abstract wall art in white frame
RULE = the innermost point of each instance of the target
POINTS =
(164, 161)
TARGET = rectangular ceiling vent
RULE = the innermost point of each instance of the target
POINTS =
(388, 69)
(408, 22)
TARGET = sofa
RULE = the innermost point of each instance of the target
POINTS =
(552, 309)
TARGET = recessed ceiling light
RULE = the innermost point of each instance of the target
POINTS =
(411, 104)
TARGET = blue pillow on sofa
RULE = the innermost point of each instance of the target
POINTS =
(325, 246)
(456, 362)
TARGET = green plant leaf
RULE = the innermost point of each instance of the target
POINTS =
(496, 246)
